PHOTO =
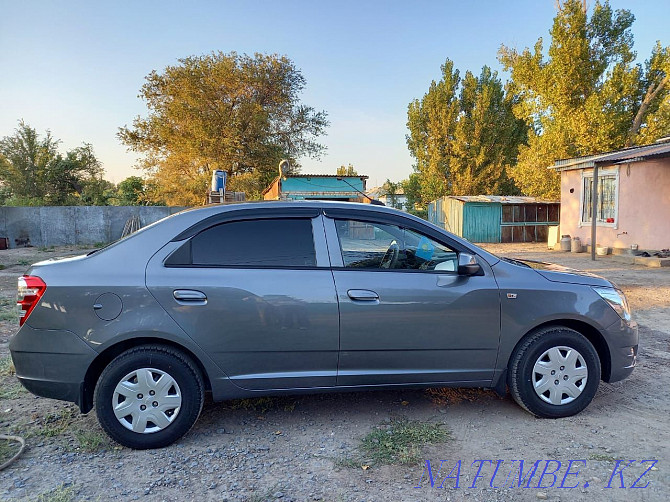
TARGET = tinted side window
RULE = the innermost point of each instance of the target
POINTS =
(378, 246)
(258, 243)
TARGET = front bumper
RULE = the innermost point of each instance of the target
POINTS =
(622, 339)
(51, 363)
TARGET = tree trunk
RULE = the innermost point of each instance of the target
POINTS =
(652, 92)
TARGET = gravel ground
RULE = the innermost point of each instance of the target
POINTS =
(305, 448)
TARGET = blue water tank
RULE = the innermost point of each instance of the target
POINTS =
(219, 180)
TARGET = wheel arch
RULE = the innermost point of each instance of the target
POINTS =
(96, 368)
(590, 332)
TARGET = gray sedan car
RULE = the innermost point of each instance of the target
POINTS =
(269, 298)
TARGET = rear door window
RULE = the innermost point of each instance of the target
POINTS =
(251, 243)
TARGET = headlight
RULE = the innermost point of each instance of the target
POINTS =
(617, 301)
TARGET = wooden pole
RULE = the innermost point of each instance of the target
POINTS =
(594, 211)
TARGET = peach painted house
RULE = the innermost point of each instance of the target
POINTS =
(633, 205)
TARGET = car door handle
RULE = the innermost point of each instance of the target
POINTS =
(363, 295)
(190, 296)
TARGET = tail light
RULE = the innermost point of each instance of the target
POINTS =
(30, 290)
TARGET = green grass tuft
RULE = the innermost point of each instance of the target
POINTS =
(602, 457)
(92, 440)
(7, 366)
(55, 424)
(60, 494)
(400, 441)
(8, 310)
(11, 389)
(263, 404)
(396, 442)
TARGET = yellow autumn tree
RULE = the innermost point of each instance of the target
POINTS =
(588, 95)
(238, 113)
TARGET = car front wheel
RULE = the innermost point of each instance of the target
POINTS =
(148, 397)
(554, 372)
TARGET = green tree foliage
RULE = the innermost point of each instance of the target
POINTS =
(392, 191)
(233, 112)
(412, 189)
(463, 135)
(25, 159)
(33, 172)
(587, 95)
(98, 192)
(347, 170)
(131, 192)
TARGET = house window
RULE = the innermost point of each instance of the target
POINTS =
(608, 195)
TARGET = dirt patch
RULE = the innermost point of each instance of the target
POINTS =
(293, 448)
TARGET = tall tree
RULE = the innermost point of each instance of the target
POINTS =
(412, 189)
(348, 170)
(131, 191)
(233, 112)
(486, 139)
(97, 191)
(587, 95)
(25, 159)
(463, 135)
(652, 119)
(33, 172)
(69, 178)
(392, 190)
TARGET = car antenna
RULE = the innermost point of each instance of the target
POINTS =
(374, 202)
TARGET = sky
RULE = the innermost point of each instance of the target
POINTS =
(76, 68)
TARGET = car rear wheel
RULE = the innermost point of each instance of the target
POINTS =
(554, 373)
(149, 396)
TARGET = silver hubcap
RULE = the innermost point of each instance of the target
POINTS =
(559, 375)
(146, 400)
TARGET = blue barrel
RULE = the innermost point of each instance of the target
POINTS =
(219, 180)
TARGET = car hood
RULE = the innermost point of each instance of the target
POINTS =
(559, 273)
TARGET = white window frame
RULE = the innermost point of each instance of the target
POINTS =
(601, 172)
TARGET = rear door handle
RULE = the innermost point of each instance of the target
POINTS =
(190, 296)
(363, 295)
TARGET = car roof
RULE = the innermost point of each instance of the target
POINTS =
(282, 204)
(211, 210)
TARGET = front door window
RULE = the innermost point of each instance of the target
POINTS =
(379, 246)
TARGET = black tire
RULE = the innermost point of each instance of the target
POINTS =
(166, 360)
(521, 374)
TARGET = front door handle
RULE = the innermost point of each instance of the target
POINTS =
(190, 296)
(363, 295)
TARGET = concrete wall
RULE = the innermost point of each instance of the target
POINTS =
(65, 225)
(644, 207)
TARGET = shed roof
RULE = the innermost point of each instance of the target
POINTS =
(377, 192)
(358, 176)
(502, 199)
(624, 156)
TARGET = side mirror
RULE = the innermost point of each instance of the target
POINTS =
(467, 265)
